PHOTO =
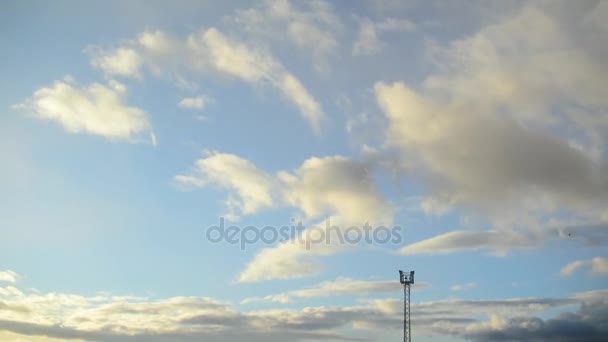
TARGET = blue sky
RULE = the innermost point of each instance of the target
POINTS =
(129, 129)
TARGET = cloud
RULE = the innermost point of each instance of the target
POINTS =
(497, 241)
(321, 187)
(14, 337)
(598, 266)
(118, 62)
(157, 42)
(103, 317)
(204, 52)
(310, 27)
(587, 324)
(107, 318)
(337, 287)
(464, 287)
(298, 257)
(572, 267)
(96, 109)
(336, 186)
(253, 65)
(493, 133)
(501, 241)
(198, 102)
(253, 189)
(368, 41)
(476, 156)
(9, 276)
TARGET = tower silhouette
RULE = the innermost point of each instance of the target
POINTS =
(407, 279)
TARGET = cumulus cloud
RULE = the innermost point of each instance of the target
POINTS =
(510, 68)
(482, 158)
(157, 42)
(252, 188)
(598, 266)
(320, 187)
(95, 109)
(509, 129)
(336, 187)
(118, 62)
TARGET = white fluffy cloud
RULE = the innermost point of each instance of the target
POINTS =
(120, 62)
(598, 266)
(482, 158)
(95, 109)
(510, 129)
(332, 186)
(320, 187)
(9, 276)
(252, 188)
(336, 186)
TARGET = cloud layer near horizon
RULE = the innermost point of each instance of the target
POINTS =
(67, 317)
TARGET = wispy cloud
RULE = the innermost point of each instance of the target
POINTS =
(208, 50)
(597, 266)
(337, 287)
(313, 28)
(197, 103)
(463, 287)
(368, 40)
(500, 242)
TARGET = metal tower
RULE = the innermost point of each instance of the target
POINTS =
(406, 279)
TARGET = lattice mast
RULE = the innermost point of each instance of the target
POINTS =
(407, 279)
